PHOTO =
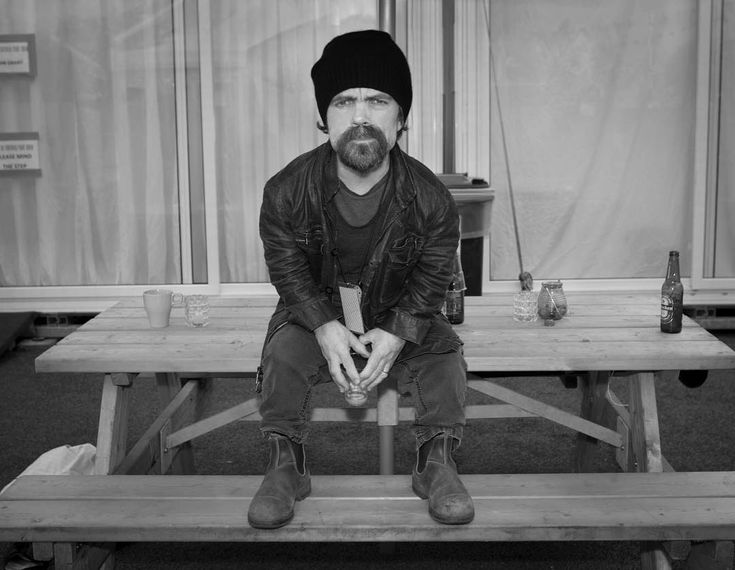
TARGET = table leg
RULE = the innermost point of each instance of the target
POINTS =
(387, 408)
(182, 462)
(646, 448)
(711, 556)
(645, 436)
(112, 432)
(594, 387)
(88, 556)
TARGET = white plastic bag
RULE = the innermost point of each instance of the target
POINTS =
(64, 460)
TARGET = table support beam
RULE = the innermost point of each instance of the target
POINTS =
(547, 411)
(146, 452)
(180, 460)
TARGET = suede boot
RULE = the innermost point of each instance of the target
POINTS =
(286, 481)
(435, 478)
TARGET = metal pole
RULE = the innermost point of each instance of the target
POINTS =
(448, 82)
(387, 16)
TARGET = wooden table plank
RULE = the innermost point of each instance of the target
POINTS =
(602, 332)
(471, 311)
(234, 334)
(496, 322)
(489, 356)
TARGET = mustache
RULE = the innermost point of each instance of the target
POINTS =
(362, 132)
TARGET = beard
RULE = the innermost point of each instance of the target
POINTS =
(362, 148)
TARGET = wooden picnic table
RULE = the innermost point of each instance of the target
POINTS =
(603, 335)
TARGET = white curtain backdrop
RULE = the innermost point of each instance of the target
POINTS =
(593, 100)
(105, 208)
(424, 138)
(264, 105)
(597, 102)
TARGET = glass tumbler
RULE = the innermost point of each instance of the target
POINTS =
(525, 306)
(196, 310)
(355, 396)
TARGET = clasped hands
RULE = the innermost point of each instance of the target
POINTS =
(336, 341)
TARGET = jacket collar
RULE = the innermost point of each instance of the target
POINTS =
(403, 187)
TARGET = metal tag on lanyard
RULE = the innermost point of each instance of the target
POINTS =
(351, 295)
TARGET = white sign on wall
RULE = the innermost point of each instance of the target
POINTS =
(18, 54)
(19, 154)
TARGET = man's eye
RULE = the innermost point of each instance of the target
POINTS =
(378, 102)
(341, 103)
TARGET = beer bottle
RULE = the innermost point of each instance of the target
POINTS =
(672, 296)
(454, 299)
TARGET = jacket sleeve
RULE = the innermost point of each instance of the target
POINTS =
(425, 288)
(287, 255)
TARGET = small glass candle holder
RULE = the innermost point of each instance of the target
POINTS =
(525, 307)
(552, 302)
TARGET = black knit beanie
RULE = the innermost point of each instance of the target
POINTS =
(368, 58)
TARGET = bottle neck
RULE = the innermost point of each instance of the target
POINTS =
(672, 271)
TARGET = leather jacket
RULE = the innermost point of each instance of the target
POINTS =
(410, 267)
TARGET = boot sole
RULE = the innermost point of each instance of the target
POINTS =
(423, 495)
(278, 524)
(269, 526)
(438, 519)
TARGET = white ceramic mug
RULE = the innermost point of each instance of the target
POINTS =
(157, 303)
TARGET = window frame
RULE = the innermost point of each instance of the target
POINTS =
(706, 153)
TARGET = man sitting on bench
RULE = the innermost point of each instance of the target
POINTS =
(359, 240)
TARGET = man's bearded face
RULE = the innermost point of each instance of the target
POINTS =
(362, 148)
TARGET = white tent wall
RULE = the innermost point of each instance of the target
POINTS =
(583, 111)
(104, 209)
(595, 105)
(264, 109)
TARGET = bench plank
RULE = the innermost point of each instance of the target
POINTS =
(610, 485)
(537, 507)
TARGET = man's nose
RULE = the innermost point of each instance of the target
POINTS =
(361, 115)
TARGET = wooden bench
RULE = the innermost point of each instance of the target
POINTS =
(64, 510)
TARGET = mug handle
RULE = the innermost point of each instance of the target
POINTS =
(177, 300)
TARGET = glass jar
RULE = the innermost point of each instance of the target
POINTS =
(552, 303)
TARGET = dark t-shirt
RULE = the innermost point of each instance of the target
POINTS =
(356, 224)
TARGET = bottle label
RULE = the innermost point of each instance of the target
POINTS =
(667, 309)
